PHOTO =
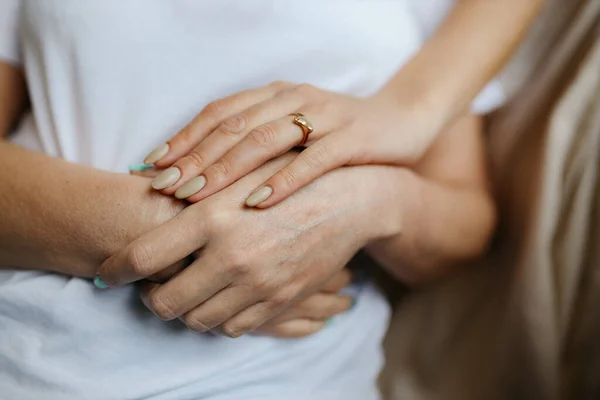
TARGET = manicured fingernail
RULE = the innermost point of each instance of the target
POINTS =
(353, 303)
(139, 167)
(259, 196)
(328, 322)
(191, 188)
(166, 178)
(99, 283)
(157, 154)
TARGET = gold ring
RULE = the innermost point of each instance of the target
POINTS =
(307, 128)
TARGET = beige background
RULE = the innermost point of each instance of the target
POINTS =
(524, 323)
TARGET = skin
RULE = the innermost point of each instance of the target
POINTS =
(414, 226)
(235, 135)
(53, 216)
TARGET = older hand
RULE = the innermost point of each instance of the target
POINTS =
(255, 264)
(235, 135)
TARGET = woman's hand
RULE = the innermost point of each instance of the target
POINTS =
(313, 314)
(254, 264)
(235, 135)
(302, 319)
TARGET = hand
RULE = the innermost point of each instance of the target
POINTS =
(313, 314)
(305, 318)
(255, 264)
(235, 135)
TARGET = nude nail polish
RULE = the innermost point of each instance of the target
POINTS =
(166, 178)
(190, 188)
(259, 196)
(157, 154)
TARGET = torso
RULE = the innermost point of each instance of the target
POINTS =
(109, 80)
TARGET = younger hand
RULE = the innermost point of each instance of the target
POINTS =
(302, 319)
(233, 136)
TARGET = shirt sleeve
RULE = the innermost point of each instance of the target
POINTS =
(9, 31)
(430, 14)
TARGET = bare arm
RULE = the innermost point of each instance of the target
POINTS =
(64, 217)
(448, 214)
(469, 49)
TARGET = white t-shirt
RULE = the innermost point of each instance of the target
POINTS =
(111, 79)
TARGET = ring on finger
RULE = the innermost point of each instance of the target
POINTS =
(307, 128)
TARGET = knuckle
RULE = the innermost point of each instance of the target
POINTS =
(234, 330)
(317, 156)
(221, 168)
(215, 108)
(186, 135)
(233, 126)
(264, 283)
(280, 85)
(140, 260)
(305, 89)
(195, 323)
(282, 298)
(237, 263)
(159, 304)
(287, 177)
(194, 159)
(264, 135)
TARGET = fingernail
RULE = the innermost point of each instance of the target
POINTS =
(328, 322)
(191, 188)
(353, 303)
(139, 167)
(157, 154)
(166, 178)
(259, 196)
(99, 283)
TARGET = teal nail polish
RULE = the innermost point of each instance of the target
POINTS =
(99, 283)
(328, 322)
(140, 167)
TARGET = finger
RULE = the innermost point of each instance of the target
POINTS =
(259, 146)
(319, 306)
(226, 136)
(338, 282)
(207, 120)
(293, 329)
(219, 308)
(190, 288)
(318, 159)
(253, 317)
(154, 251)
(169, 272)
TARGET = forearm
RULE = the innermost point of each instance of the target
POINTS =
(471, 47)
(68, 218)
(441, 225)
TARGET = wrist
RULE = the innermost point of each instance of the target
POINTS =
(377, 199)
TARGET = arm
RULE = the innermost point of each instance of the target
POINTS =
(233, 136)
(53, 213)
(470, 48)
(447, 210)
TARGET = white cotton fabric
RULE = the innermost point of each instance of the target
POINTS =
(109, 80)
